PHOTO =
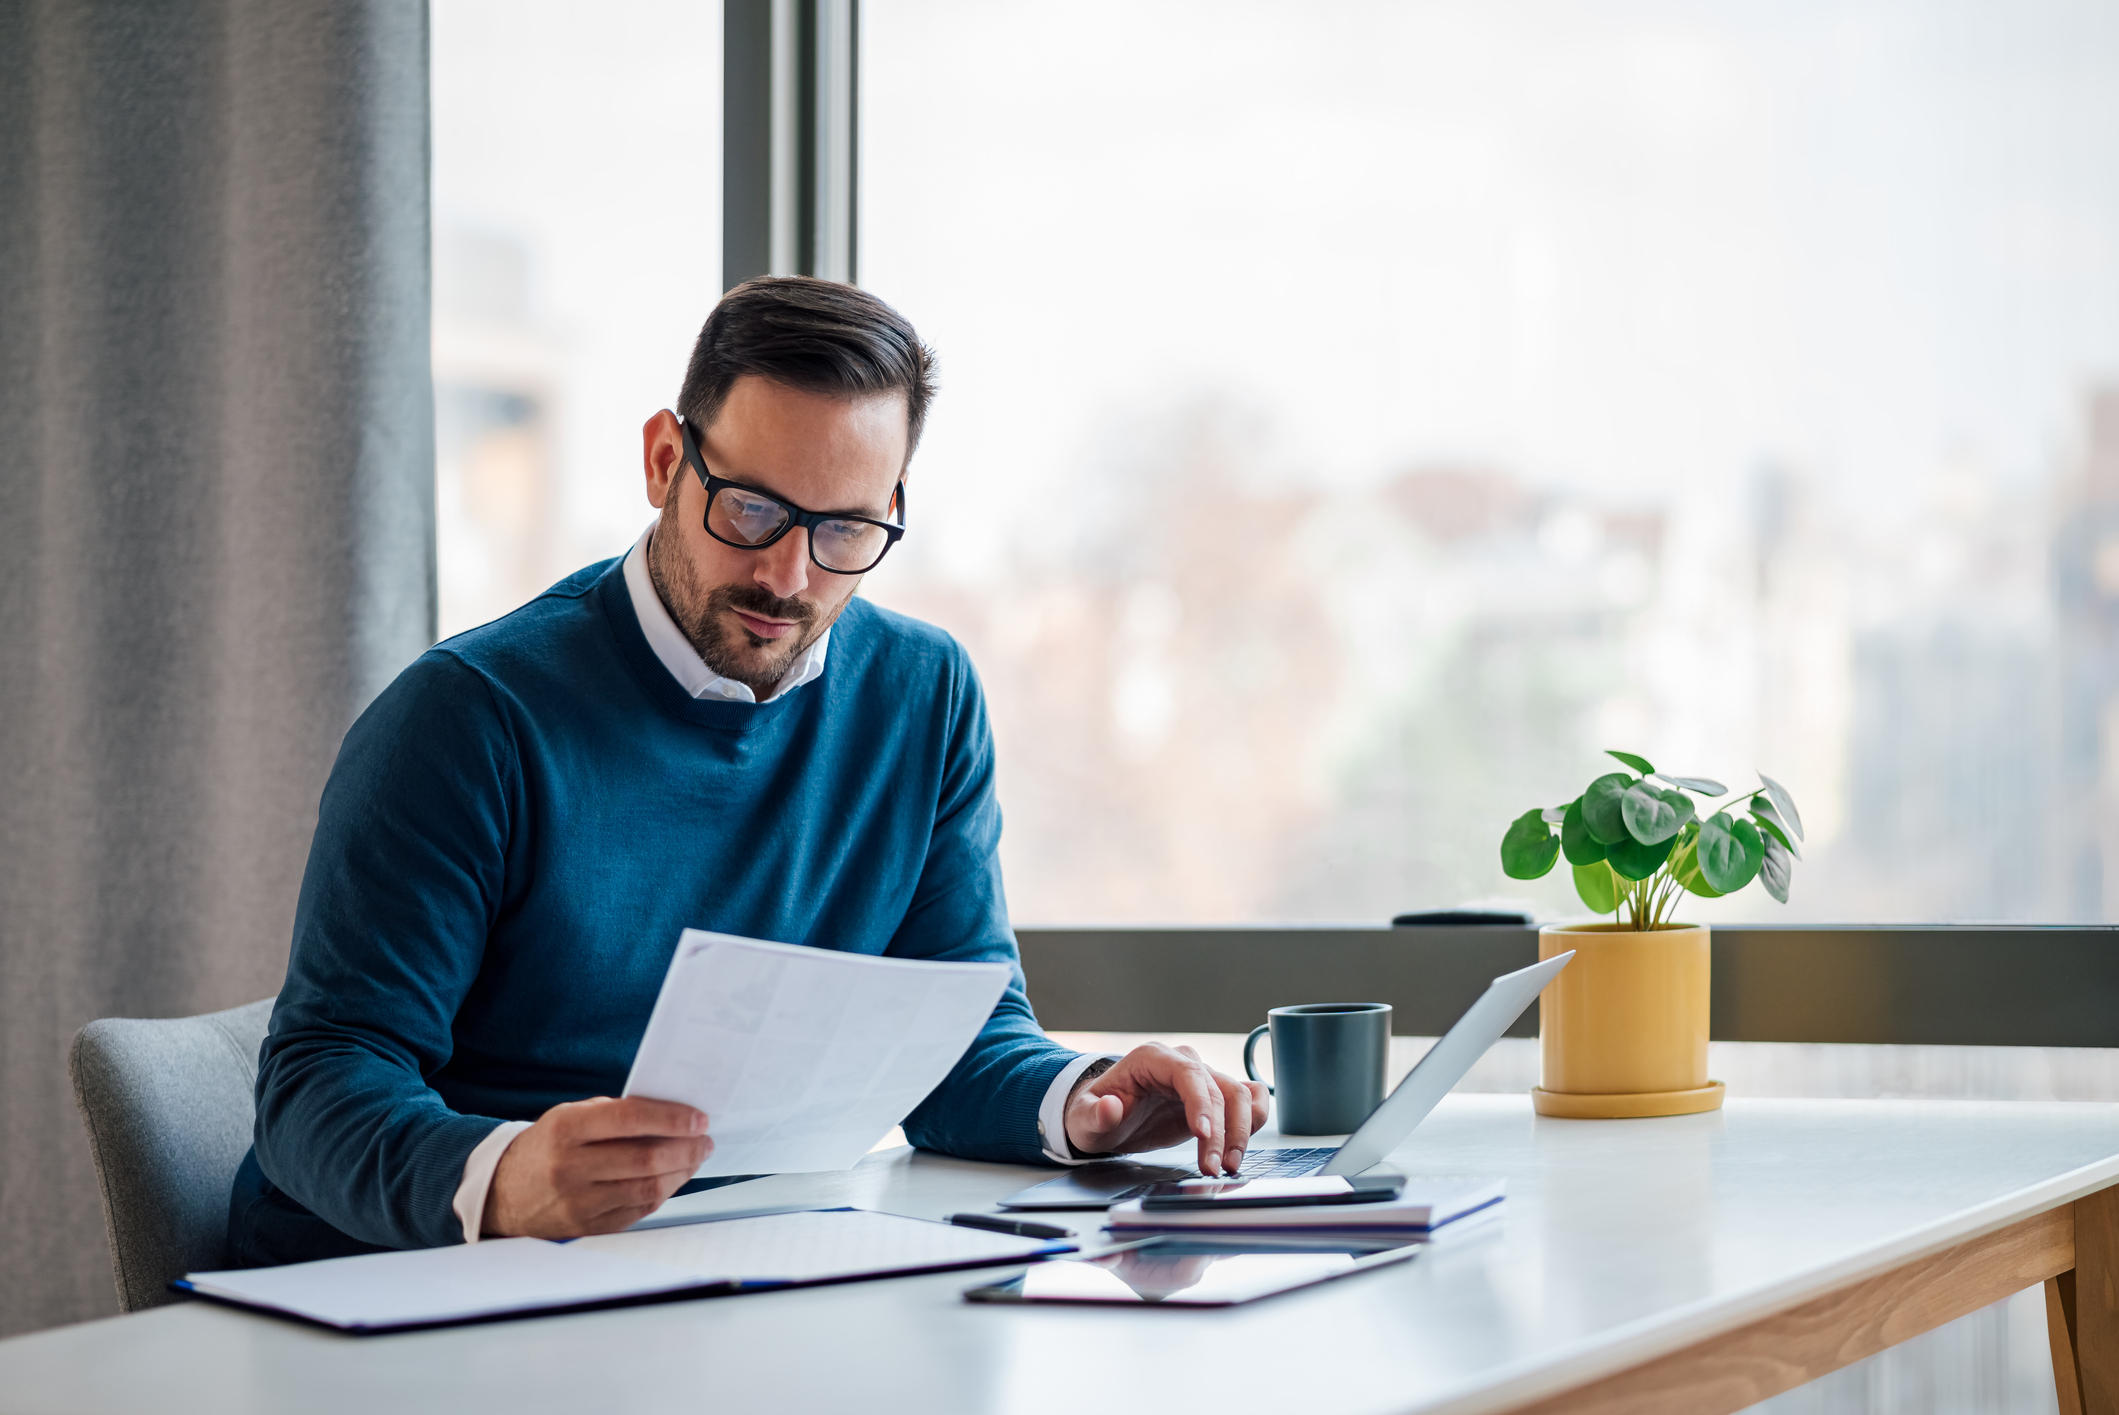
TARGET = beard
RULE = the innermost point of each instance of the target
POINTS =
(716, 635)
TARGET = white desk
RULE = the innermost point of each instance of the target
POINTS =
(1697, 1263)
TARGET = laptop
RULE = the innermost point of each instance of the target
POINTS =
(1101, 1183)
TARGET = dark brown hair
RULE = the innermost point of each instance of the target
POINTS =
(816, 335)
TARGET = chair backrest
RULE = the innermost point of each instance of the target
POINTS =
(169, 1107)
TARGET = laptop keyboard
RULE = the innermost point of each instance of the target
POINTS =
(1257, 1164)
(1284, 1164)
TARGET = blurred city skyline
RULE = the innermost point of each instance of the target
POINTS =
(1342, 442)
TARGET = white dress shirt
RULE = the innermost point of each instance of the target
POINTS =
(684, 664)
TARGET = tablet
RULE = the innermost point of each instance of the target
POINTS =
(1194, 1272)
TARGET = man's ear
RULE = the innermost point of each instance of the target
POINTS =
(662, 456)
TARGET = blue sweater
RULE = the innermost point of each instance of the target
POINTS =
(513, 837)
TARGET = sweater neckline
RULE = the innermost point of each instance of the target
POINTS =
(722, 714)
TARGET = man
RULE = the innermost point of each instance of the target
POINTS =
(710, 732)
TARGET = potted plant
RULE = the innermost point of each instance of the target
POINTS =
(1623, 1030)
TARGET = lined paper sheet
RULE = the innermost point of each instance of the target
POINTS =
(802, 1058)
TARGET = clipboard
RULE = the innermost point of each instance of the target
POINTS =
(506, 1278)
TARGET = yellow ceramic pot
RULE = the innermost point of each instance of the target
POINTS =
(1622, 1032)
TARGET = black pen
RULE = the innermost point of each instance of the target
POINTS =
(1019, 1227)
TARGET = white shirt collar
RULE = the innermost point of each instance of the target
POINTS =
(677, 653)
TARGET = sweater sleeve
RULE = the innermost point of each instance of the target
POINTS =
(403, 881)
(987, 1107)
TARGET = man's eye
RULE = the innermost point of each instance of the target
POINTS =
(753, 517)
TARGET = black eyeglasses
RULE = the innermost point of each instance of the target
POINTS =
(750, 519)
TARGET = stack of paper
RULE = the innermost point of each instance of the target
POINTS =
(1425, 1204)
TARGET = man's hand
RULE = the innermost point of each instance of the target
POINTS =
(594, 1167)
(1157, 1096)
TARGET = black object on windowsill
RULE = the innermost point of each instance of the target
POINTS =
(1462, 919)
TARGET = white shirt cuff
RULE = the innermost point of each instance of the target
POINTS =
(1052, 1115)
(470, 1202)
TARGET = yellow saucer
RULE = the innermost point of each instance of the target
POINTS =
(1634, 1106)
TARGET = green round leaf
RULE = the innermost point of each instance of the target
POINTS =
(1529, 848)
(1598, 886)
(1771, 824)
(1705, 785)
(1580, 846)
(1639, 764)
(1778, 867)
(1654, 815)
(1633, 860)
(1649, 818)
(1685, 865)
(1754, 842)
(1682, 804)
(1721, 856)
(1730, 852)
(1601, 811)
(1783, 804)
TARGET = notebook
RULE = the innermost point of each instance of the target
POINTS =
(516, 1277)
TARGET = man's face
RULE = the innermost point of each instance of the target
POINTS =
(751, 613)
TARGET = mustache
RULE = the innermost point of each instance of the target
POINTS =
(753, 599)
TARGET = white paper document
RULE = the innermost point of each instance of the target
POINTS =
(817, 1245)
(503, 1276)
(379, 1291)
(803, 1058)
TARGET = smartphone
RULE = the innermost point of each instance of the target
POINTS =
(1241, 1193)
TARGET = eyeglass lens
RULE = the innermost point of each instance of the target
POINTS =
(743, 517)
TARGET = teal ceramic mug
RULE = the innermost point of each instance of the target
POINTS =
(1328, 1064)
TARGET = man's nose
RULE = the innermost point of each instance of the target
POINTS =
(783, 567)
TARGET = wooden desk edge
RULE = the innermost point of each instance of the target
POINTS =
(2072, 1248)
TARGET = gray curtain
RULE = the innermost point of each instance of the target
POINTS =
(216, 517)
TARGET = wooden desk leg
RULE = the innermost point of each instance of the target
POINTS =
(2090, 1311)
(2060, 1331)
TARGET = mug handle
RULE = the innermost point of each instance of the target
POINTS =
(1250, 1045)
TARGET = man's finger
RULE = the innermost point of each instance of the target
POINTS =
(1092, 1121)
(1236, 1104)
(1102, 1114)
(1194, 1086)
(611, 1119)
(606, 1208)
(608, 1161)
(1095, 1117)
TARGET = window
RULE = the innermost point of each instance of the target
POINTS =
(577, 248)
(1356, 416)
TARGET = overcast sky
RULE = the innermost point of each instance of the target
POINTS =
(1624, 246)
(1621, 245)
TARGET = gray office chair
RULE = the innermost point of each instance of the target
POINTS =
(169, 1106)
